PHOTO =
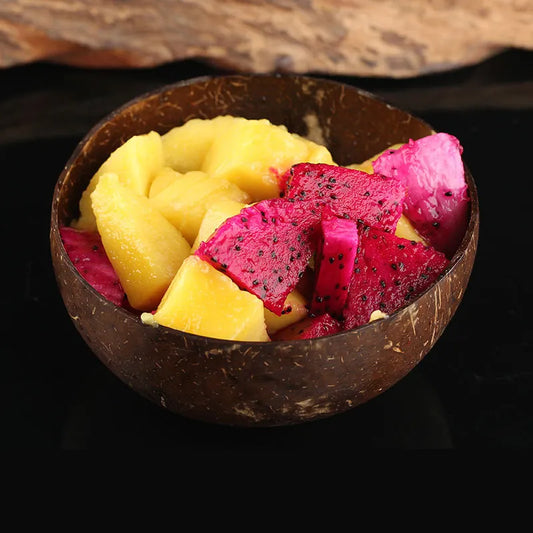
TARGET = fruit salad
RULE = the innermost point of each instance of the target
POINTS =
(238, 229)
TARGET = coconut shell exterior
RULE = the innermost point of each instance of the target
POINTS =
(254, 384)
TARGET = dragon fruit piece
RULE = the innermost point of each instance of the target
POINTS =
(310, 327)
(87, 253)
(371, 199)
(437, 201)
(336, 250)
(264, 249)
(389, 273)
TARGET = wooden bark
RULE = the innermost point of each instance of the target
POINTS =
(394, 38)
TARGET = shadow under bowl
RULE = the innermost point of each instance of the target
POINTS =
(254, 384)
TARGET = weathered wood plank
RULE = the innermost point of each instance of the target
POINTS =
(394, 38)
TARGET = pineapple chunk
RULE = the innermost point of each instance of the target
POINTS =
(162, 180)
(294, 310)
(135, 163)
(215, 215)
(185, 147)
(254, 153)
(185, 201)
(204, 301)
(145, 249)
(318, 153)
(367, 166)
(406, 230)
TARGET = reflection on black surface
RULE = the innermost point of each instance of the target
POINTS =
(474, 389)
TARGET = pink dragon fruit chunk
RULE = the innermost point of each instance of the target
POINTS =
(437, 201)
(264, 249)
(310, 327)
(389, 273)
(370, 199)
(87, 253)
(338, 239)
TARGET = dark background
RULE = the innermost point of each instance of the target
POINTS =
(473, 390)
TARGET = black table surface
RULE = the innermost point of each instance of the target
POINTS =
(473, 390)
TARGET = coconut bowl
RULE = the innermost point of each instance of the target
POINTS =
(257, 384)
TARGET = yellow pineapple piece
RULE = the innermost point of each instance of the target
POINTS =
(378, 314)
(294, 309)
(318, 153)
(162, 180)
(204, 301)
(406, 230)
(253, 153)
(135, 163)
(145, 249)
(366, 166)
(185, 147)
(185, 201)
(214, 216)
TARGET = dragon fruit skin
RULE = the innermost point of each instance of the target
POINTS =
(87, 253)
(437, 201)
(338, 239)
(371, 199)
(389, 273)
(265, 249)
(310, 327)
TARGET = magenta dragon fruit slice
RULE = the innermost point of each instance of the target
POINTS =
(389, 273)
(338, 239)
(264, 249)
(437, 198)
(370, 199)
(87, 253)
(310, 327)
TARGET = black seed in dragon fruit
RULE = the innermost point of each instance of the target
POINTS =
(87, 253)
(370, 199)
(310, 327)
(437, 198)
(264, 249)
(390, 272)
(338, 240)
